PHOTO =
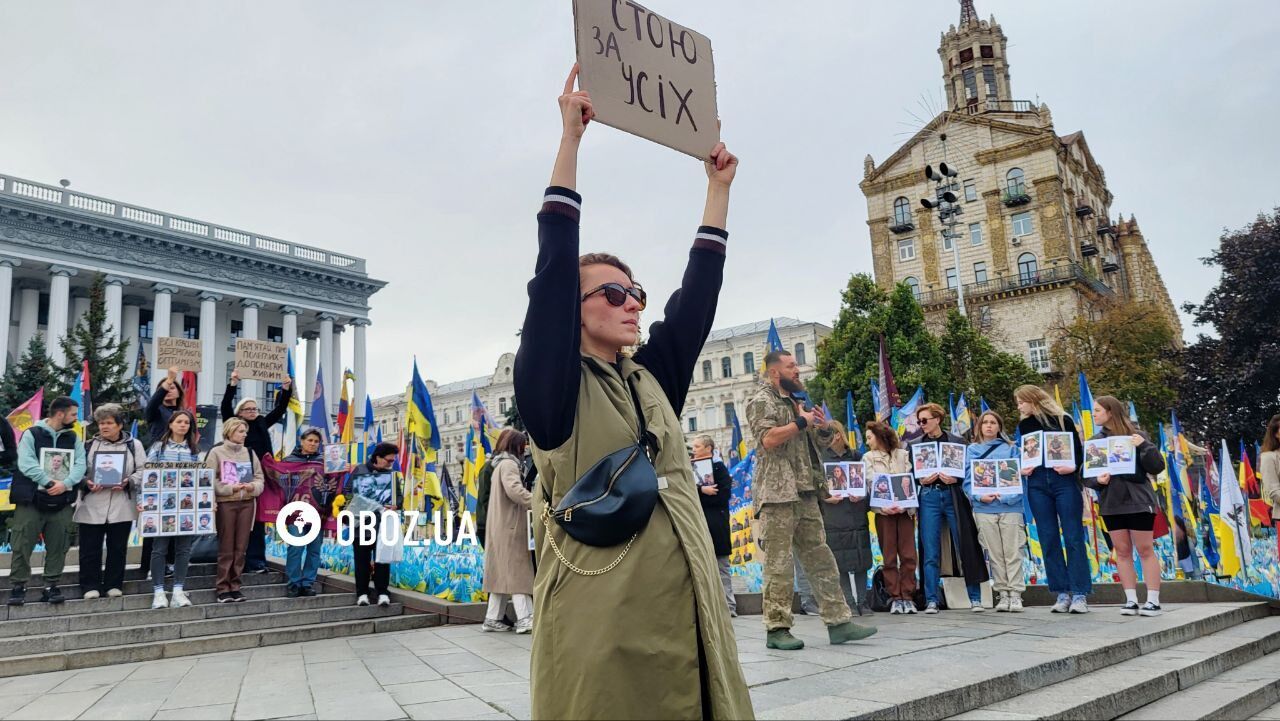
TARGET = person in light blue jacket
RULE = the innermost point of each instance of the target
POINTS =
(1002, 528)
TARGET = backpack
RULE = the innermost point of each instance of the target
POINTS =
(878, 598)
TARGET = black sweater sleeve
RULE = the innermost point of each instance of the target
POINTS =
(152, 414)
(674, 342)
(282, 405)
(548, 365)
(228, 403)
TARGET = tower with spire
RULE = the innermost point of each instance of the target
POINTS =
(975, 66)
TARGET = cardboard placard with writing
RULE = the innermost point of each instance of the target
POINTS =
(260, 359)
(181, 353)
(647, 75)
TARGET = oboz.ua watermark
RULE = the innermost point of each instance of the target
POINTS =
(387, 528)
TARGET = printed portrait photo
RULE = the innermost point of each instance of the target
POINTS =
(151, 480)
(169, 479)
(205, 478)
(836, 478)
(56, 463)
(108, 468)
(169, 523)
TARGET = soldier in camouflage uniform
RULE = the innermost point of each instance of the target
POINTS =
(788, 483)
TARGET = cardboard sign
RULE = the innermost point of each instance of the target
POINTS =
(181, 353)
(260, 360)
(647, 75)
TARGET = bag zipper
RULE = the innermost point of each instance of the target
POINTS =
(568, 512)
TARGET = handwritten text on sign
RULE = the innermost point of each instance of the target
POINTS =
(647, 75)
(260, 360)
(181, 353)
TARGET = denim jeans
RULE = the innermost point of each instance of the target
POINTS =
(1058, 509)
(302, 563)
(935, 507)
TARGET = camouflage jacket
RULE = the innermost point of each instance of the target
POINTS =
(784, 472)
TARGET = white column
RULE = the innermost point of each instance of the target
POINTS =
(208, 347)
(114, 301)
(250, 388)
(337, 367)
(359, 360)
(325, 358)
(28, 313)
(59, 306)
(130, 319)
(309, 379)
(6, 308)
(178, 319)
(289, 335)
(79, 307)
(161, 316)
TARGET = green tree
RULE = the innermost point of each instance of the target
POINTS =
(848, 359)
(109, 377)
(978, 369)
(512, 419)
(1127, 352)
(1232, 382)
(31, 373)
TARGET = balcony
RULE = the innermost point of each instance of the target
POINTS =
(1088, 248)
(902, 225)
(1110, 264)
(999, 106)
(1104, 228)
(1084, 210)
(1015, 195)
(1020, 282)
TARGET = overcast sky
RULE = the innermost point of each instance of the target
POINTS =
(419, 135)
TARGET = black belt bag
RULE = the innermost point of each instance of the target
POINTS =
(613, 500)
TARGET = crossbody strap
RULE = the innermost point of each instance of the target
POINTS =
(988, 452)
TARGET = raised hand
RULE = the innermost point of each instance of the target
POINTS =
(722, 167)
(235, 376)
(575, 107)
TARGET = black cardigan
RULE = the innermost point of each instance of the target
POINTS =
(716, 509)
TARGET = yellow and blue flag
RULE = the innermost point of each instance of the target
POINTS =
(320, 406)
(738, 445)
(1086, 408)
(856, 439)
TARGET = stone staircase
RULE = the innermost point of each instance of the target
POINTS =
(40, 637)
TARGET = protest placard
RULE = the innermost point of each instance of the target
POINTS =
(647, 75)
(260, 359)
(181, 353)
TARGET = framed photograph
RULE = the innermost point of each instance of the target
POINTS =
(857, 475)
(837, 478)
(204, 523)
(169, 501)
(703, 472)
(1008, 477)
(168, 524)
(56, 463)
(186, 523)
(169, 479)
(234, 472)
(1120, 455)
(924, 459)
(951, 459)
(1059, 450)
(205, 478)
(1032, 450)
(149, 524)
(186, 478)
(204, 500)
(985, 473)
(904, 490)
(1095, 457)
(151, 480)
(187, 501)
(150, 502)
(881, 491)
(108, 468)
(335, 458)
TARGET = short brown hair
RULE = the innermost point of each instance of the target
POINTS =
(511, 441)
(605, 259)
(886, 436)
(933, 408)
(774, 357)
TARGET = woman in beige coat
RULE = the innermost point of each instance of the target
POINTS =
(107, 513)
(508, 567)
(238, 485)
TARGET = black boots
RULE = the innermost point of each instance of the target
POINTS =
(17, 595)
(53, 595)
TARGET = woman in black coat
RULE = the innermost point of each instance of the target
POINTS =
(714, 492)
(259, 441)
(848, 534)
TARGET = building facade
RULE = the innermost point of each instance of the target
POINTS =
(1037, 243)
(726, 375)
(168, 275)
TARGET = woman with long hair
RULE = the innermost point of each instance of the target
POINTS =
(1057, 504)
(1001, 526)
(176, 445)
(1269, 467)
(895, 526)
(1129, 506)
(845, 519)
(508, 567)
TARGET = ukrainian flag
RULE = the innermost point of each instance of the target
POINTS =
(1086, 408)
(738, 447)
(421, 420)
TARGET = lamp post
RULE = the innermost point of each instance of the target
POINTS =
(944, 201)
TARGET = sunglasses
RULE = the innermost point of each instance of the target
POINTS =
(617, 295)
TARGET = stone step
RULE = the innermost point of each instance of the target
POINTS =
(232, 641)
(71, 575)
(156, 632)
(1272, 713)
(1236, 693)
(133, 602)
(132, 556)
(139, 586)
(1120, 688)
(108, 619)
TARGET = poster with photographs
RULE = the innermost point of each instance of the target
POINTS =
(996, 477)
(335, 458)
(56, 463)
(1114, 455)
(175, 500)
(108, 469)
(924, 459)
(896, 489)
(1059, 450)
(704, 472)
(857, 475)
(1032, 450)
(951, 459)
(233, 472)
(1095, 457)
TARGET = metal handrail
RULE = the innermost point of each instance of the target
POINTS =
(1048, 276)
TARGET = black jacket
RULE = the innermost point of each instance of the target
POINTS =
(1130, 492)
(716, 509)
(8, 447)
(846, 523)
(973, 564)
(157, 416)
(259, 438)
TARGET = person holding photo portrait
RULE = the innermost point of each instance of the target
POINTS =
(106, 511)
(1002, 528)
(845, 519)
(714, 497)
(176, 445)
(235, 507)
(42, 497)
(895, 525)
(258, 440)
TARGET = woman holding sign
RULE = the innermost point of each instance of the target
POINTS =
(1002, 528)
(258, 440)
(239, 482)
(107, 509)
(895, 526)
(1129, 507)
(845, 519)
(176, 445)
(583, 399)
(1057, 504)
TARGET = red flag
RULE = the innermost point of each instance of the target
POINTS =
(189, 391)
(1258, 508)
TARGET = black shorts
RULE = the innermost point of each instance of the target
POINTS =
(1130, 522)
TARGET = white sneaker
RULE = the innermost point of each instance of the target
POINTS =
(1062, 605)
(90, 595)
(383, 600)
(159, 600)
(1130, 608)
(493, 626)
(180, 599)
(1148, 609)
(362, 600)
(1002, 603)
(114, 593)
(1015, 603)
(524, 625)
(909, 607)
(931, 607)
(977, 607)
(1079, 605)
(895, 608)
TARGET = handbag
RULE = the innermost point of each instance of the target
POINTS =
(614, 499)
(879, 599)
(205, 549)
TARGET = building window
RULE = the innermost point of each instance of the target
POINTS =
(1015, 181)
(980, 272)
(446, 418)
(728, 414)
(709, 416)
(1027, 268)
(748, 363)
(986, 51)
(146, 322)
(952, 278)
(1021, 224)
(970, 190)
(966, 55)
(800, 360)
(502, 405)
(975, 234)
(706, 371)
(914, 284)
(726, 367)
(1038, 352)
(989, 79)
(946, 241)
(970, 81)
(907, 249)
(901, 211)
(693, 424)
(274, 334)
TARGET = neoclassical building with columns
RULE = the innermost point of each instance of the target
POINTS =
(168, 275)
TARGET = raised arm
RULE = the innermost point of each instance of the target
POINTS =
(282, 403)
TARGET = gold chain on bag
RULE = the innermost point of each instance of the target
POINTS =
(546, 515)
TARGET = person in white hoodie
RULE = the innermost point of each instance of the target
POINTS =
(107, 513)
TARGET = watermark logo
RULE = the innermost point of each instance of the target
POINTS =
(368, 527)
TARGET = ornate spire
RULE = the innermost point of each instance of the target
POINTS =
(967, 13)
